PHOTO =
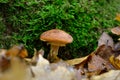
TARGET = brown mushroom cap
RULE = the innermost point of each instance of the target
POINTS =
(116, 30)
(56, 36)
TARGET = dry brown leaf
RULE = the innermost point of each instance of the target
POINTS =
(116, 30)
(102, 53)
(17, 51)
(117, 46)
(93, 65)
(105, 39)
(117, 49)
(79, 62)
(82, 64)
(111, 75)
(76, 60)
(105, 52)
(96, 63)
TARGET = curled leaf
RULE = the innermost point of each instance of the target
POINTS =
(76, 60)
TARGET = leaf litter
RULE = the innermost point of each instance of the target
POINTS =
(101, 64)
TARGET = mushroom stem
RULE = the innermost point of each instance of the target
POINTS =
(53, 53)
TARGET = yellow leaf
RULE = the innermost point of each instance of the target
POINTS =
(117, 17)
(115, 62)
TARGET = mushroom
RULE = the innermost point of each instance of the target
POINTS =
(55, 38)
(116, 30)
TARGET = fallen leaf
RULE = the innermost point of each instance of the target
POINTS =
(17, 50)
(95, 63)
(17, 70)
(79, 62)
(35, 57)
(116, 30)
(76, 60)
(115, 61)
(105, 52)
(78, 74)
(111, 75)
(53, 66)
(117, 49)
(41, 62)
(117, 17)
(117, 46)
(43, 71)
(7, 55)
(94, 66)
(105, 39)
(118, 57)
